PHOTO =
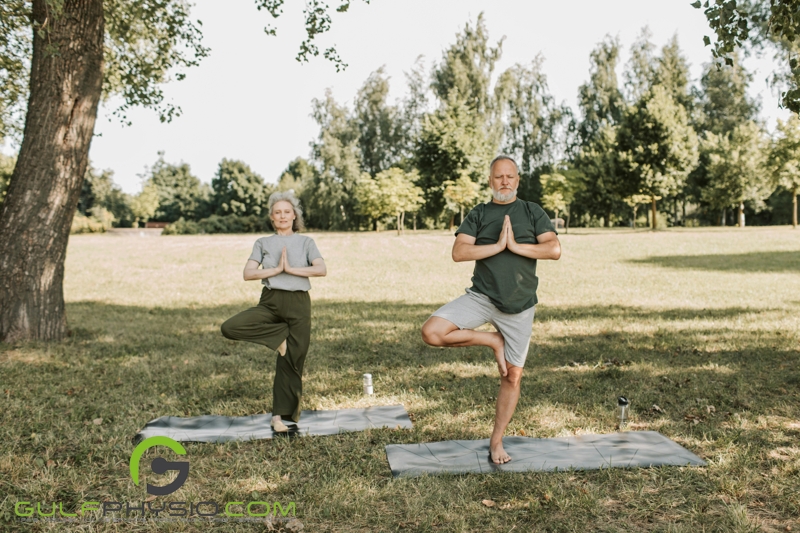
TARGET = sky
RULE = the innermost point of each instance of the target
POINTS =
(250, 100)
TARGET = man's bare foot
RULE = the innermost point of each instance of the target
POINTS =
(278, 426)
(500, 355)
(498, 455)
(282, 348)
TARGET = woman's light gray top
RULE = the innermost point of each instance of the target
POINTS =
(300, 251)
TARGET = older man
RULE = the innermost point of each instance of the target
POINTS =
(505, 238)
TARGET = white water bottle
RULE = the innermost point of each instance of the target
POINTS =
(368, 385)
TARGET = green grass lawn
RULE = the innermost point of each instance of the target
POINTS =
(703, 323)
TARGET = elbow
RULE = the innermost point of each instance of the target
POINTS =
(457, 257)
(323, 272)
(556, 252)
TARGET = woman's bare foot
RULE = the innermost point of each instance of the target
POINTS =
(499, 354)
(498, 455)
(282, 348)
(278, 426)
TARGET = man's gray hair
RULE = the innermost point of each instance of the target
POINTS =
(503, 157)
(288, 196)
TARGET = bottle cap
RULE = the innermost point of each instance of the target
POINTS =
(622, 401)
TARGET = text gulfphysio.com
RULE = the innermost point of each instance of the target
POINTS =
(151, 510)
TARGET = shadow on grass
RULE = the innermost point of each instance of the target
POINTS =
(128, 365)
(778, 261)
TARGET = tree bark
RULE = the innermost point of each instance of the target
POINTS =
(740, 214)
(655, 218)
(794, 207)
(65, 88)
(607, 221)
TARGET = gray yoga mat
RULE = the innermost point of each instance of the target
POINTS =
(582, 452)
(211, 428)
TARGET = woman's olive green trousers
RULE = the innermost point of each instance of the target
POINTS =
(279, 315)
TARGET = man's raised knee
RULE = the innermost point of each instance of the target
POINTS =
(430, 335)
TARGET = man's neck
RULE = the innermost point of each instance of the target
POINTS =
(496, 201)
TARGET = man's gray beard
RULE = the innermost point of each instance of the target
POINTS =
(500, 197)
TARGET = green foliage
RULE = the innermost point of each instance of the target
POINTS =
(640, 74)
(219, 224)
(737, 23)
(736, 167)
(391, 193)
(147, 41)
(382, 130)
(784, 156)
(672, 73)
(600, 100)
(15, 51)
(557, 192)
(460, 194)
(180, 194)
(784, 160)
(659, 147)
(723, 97)
(298, 174)
(453, 143)
(602, 175)
(532, 122)
(99, 220)
(237, 190)
(465, 72)
(317, 21)
(6, 169)
(145, 205)
(330, 201)
(100, 191)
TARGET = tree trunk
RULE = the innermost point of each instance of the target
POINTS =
(633, 222)
(566, 226)
(723, 218)
(461, 214)
(415, 222)
(452, 221)
(741, 215)
(794, 207)
(607, 221)
(654, 217)
(65, 86)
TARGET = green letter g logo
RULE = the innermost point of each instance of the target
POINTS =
(160, 465)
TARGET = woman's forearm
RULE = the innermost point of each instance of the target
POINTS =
(312, 271)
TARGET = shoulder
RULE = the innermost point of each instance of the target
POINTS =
(477, 210)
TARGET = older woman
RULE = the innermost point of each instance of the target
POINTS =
(282, 319)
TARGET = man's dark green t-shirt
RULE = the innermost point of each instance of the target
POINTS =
(508, 279)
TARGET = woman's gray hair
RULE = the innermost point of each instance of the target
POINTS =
(288, 196)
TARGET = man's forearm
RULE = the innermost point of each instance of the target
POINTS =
(473, 252)
(545, 250)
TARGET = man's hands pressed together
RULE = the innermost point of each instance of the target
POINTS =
(465, 249)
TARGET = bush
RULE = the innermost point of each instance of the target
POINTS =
(100, 221)
(182, 227)
(219, 224)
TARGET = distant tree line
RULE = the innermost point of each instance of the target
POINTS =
(646, 147)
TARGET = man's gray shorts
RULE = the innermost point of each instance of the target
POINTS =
(473, 310)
